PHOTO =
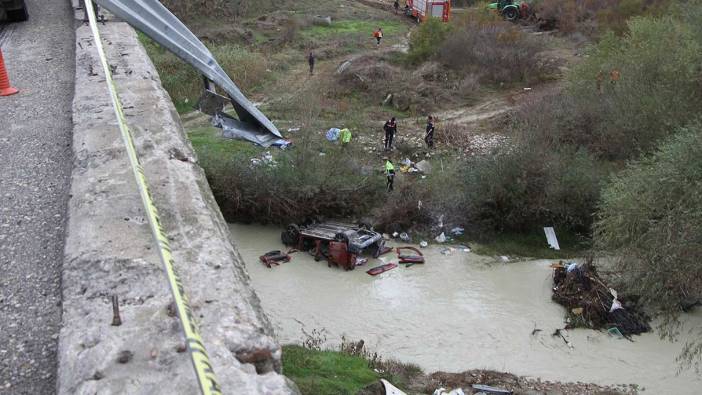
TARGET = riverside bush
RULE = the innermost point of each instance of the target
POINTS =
(530, 186)
(300, 184)
(420, 204)
(650, 220)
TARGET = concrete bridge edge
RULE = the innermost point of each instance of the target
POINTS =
(109, 249)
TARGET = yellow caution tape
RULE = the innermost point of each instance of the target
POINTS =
(201, 361)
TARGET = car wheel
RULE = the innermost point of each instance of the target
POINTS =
(511, 14)
(291, 235)
(377, 249)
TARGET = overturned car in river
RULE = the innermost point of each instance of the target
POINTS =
(339, 243)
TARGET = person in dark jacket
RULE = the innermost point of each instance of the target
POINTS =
(390, 128)
(311, 60)
(429, 138)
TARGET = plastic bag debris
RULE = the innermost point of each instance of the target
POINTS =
(391, 389)
(491, 390)
(457, 231)
(265, 159)
(404, 237)
(423, 166)
(463, 248)
(614, 331)
(441, 238)
(444, 391)
(616, 305)
(504, 258)
(423, 244)
(322, 20)
(333, 134)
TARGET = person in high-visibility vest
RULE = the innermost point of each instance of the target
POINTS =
(345, 136)
(389, 173)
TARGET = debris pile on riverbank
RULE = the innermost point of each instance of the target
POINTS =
(593, 304)
(518, 385)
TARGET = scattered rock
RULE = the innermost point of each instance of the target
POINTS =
(125, 356)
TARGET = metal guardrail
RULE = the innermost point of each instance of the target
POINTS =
(154, 20)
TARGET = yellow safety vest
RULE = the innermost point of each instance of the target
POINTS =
(345, 135)
(389, 168)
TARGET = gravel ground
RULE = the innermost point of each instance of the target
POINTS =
(35, 167)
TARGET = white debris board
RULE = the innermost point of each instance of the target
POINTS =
(551, 238)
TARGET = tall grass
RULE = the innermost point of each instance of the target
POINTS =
(184, 84)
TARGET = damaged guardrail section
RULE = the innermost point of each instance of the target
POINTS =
(110, 251)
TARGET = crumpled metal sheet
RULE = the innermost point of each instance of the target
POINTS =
(235, 129)
(154, 20)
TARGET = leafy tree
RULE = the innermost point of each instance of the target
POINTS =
(639, 87)
(426, 40)
(650, 219)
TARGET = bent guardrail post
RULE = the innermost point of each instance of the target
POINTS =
(159, 24)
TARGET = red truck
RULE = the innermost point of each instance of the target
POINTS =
(339, 243)
(423, 9)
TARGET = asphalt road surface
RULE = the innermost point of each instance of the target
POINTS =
(35, 168)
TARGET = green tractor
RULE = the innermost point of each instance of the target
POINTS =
(509, 9)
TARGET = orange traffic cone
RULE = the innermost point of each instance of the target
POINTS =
(5, 88)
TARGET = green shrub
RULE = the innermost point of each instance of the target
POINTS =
(659, 86)
(300, 184)
(426, 40)
(326, 372)
(650, 220)
(196, 10)
(529, 186)
(184, 84)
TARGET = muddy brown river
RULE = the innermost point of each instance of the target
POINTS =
(455, 313)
